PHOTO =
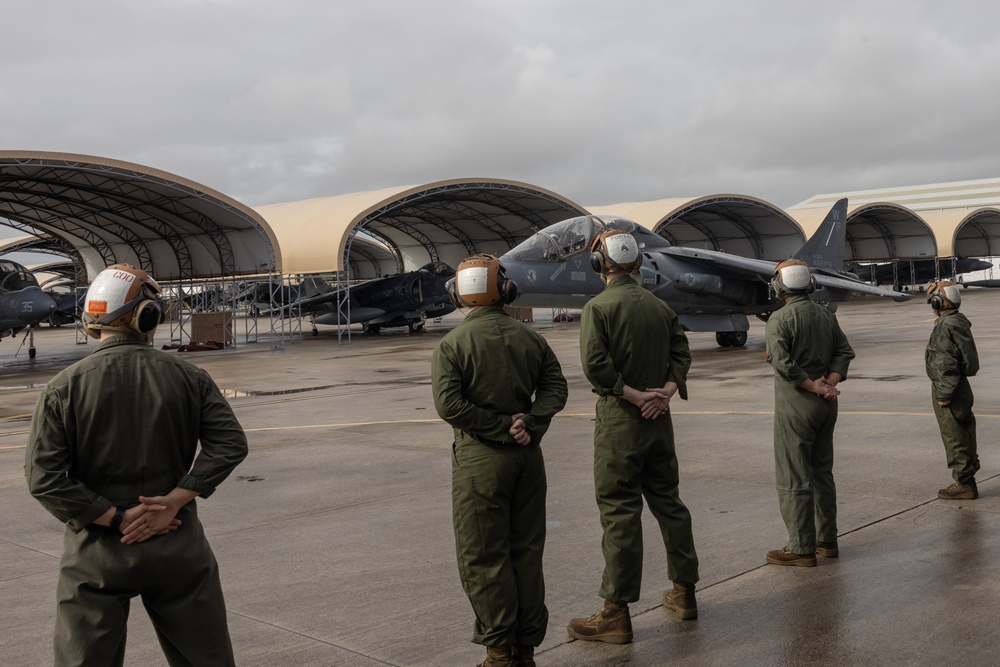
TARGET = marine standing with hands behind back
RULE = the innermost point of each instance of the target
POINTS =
(498, 384)
(809, 354)
(636, 356)
(951, 359)
(114, 454)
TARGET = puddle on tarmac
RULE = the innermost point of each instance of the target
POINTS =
(239, 393)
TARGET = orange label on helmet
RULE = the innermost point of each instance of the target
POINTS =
(97, 307)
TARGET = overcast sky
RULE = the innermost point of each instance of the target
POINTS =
(601, 102)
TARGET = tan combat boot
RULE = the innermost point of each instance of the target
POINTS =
(612, 625)
(958, 491)
(680, 600)
(786, 557)
(524, 656)
(499, 656)
(827, 549)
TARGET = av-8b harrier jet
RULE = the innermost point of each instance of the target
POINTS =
(709, 290)
(22, 302)
(400, 300)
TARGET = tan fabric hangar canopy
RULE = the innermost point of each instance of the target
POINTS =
(109, 211)
(31, 243)
(736, 224)
(401, 229)
(943, 219)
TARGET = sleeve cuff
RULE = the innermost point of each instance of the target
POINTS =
(192, 484)
(87, 516)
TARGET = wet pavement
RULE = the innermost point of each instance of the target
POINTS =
(335, 543)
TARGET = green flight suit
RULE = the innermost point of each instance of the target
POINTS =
(950, 359)
(630, 337)
(804, 340)
(123, 422)
(483, 372)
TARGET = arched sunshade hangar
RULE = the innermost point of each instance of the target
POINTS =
(111, 211)
(965, 232)
(737, 224)
(441, 222)
(877, 231)
(49, 245)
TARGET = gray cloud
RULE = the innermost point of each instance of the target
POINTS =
(601, 102)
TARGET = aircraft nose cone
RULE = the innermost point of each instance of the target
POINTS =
(47, 304)
(41, 304)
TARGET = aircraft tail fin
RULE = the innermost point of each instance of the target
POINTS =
(825, 248)
(313, 286)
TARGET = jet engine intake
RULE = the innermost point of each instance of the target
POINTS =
(703, 283)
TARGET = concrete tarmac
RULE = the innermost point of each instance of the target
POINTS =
(335, 540)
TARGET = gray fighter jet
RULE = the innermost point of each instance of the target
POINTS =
(709, 290)
(22, 302)
(400, 300)
(923, 270)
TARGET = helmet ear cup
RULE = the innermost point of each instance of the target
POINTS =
(597, 261)
(456, 300)
(508, 289)
(146, 317)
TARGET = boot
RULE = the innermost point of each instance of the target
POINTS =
(612, 625)
(960, 491)
(827, 549)
(786, 557)
(498, 656)
(524, 656)
(680, 600)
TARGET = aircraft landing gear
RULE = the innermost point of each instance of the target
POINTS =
(731, 338)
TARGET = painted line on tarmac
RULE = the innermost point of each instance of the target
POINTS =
(587, 415)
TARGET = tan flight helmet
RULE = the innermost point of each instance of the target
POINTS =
(481, 280)
(793, 276)
(615, 250)
(122, 298)
(944, 295)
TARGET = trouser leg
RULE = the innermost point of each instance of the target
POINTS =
(482, 477)
(184, 597)
(958, 433)
(793, 439)
(92, 604)
(188, 612)
(527, 543)
(823, 486)
(617, 466)
(660, 481)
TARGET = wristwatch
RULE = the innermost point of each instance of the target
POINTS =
(116, 520)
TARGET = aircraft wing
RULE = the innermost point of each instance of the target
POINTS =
(732, 265)
(307, 303)
(844, 283)
(745, 267)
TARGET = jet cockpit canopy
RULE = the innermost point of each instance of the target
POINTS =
(14, 277)
(564, 239)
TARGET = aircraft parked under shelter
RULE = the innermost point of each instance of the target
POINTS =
(23, 304)
(709, 290)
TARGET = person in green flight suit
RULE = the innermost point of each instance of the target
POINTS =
(498, 384)
(810, 355)
(636, 356)
(951, 359)
(120, 444)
